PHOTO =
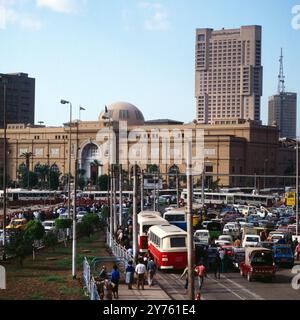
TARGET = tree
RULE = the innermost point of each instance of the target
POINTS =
(50, 239)
(19, 245)
(28, 181)
(103, 182)
(81, 180)
(54, 180)
(85, 229)
(93, 219)
(34, 231)
(62, 225)
(27, 156)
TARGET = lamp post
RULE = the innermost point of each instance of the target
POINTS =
(4, 82)
(69, 194)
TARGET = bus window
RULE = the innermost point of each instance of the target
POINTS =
(177, 242)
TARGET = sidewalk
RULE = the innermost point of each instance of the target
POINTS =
(150, 293)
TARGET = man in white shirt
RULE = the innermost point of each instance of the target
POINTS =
(140, 270)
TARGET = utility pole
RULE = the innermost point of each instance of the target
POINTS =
(203, 186)
(120, 196)
(190, 244)
(154, 192)
(134, 215)
(177, 189)
(4, 81)
(297, 187)
(142, 190)
(114, 199)
(111, 217)
(74, 217)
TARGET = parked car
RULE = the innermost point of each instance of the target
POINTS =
(226, 238)
(283, 254)
(80, 215)
(259, 263)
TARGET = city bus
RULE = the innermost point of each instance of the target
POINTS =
(220, 198)
(147, 219)
(102, 195)
(30, 195)
(168, 245)
(177, 218)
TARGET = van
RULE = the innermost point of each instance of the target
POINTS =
(202, 237)
(250, 240)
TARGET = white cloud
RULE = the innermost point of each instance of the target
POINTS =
(9, 15)
(62, 6)
(157, 16)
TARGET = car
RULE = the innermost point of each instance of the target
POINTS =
(266, 244)
(80, 215)
(238, 257)
(205, 223)
(250, 240)
(17, 224)
(283, 254)
(49, 225)
(222, 243)
(226, 237)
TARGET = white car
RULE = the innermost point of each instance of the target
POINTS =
(223, 243)
(250, 240)
(226, 238)
(80, 215)
(231, 229)
(49, 225)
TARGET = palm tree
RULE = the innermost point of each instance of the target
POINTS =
(27, 156)
(95, 172)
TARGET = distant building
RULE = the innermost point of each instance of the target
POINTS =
(228, 84)
(283, 107)
(20, 98)
(283, 112)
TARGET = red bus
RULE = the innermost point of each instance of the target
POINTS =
(168, 245)
(147, 219)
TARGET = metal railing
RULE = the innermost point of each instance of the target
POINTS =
(90, 285)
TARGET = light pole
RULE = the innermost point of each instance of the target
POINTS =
(69, 193)
(297, 188)
(4, 82)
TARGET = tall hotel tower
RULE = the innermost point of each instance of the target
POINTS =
(228, 85)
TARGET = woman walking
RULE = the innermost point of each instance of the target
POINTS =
(129, 275)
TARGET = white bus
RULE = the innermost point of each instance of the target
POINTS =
(30, 195)
(147, 219)
(220, 198)
(168, 246)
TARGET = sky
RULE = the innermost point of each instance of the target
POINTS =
(97, 52)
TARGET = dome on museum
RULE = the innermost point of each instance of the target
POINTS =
(124, 111)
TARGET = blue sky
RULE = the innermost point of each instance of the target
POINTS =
(96, 52)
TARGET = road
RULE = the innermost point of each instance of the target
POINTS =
(232, 286)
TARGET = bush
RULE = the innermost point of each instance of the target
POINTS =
(85, 229)
(34, 231)
(93, 219)
(50, 240)
(63, 223)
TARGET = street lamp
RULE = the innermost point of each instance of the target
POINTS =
(4, 82)
(69, 195)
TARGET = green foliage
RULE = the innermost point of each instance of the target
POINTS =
(105, 212)
(63, 223)
(54, 180)
(28, 182)
(19, 245)
(103, 182)
(85, 229)
(50, 239)
(92, 218)
(34, 231)
(130, 211)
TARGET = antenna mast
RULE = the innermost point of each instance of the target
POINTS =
(281, 77)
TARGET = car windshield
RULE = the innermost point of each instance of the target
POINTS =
(252, 239)
(262, 258)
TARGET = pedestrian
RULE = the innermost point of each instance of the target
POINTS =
(108, 287)
(297, 251)
(198, 296)
(237, 243)
(201, 273)
(217, 265)
(129, 274)
(151, 269)
(222, 254)
(140, 270)
(115, 278)
(186, 275)
(103, 273)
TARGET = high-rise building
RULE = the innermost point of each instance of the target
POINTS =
(20, 98)
(228, 85)
(283, 107)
